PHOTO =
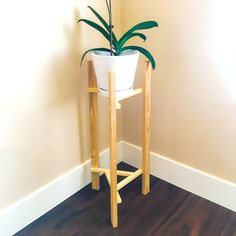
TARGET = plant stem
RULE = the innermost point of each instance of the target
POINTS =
(111, 26)
(107, 6)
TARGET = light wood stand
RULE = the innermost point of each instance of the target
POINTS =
(114, 104)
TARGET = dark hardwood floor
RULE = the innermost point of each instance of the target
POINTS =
(166, 211)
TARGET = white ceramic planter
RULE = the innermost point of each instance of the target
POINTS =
(123, 66)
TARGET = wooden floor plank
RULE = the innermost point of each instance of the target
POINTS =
(166, 211)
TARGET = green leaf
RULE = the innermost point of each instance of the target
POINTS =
(105, 24)
(145, 52)
(94, 49)
(97, 27)
(99, 17)
(141, 26)
(129, 36)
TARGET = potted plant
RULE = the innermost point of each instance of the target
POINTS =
(117, 58)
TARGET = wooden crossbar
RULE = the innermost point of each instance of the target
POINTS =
(93, 90)
(119, 172)
(133, 92)
(128, 179)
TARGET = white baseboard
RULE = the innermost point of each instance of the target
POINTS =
(200, 183)
(20, 214)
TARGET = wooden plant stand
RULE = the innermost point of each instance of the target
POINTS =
(111, 174)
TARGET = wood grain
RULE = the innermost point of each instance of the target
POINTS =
(119, 172)
(107, 174)
(146, 129)
(113, 151)
(128, 179)
(93, 118)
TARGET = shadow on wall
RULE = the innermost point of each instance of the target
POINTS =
(69, 83)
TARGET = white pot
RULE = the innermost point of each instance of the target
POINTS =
(123, 66)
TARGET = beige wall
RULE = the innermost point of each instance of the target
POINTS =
(194, 87)
(43, 99)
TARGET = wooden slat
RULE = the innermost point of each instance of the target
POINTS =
(113, 151)
(128, 179)
(146, 130)
(107, 173)
(93, 90)
(124, 173)
(103, 170)
(93, 117)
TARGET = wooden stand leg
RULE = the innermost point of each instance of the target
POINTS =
(113, 158)
(92, 83)
(146, 130)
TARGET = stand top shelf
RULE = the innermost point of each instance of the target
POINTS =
(118, 99)
(132, 93)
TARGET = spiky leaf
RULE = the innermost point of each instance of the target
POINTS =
(141, 26)
(128, 37)
(97, 27)
(142, 50)
(101, 19)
